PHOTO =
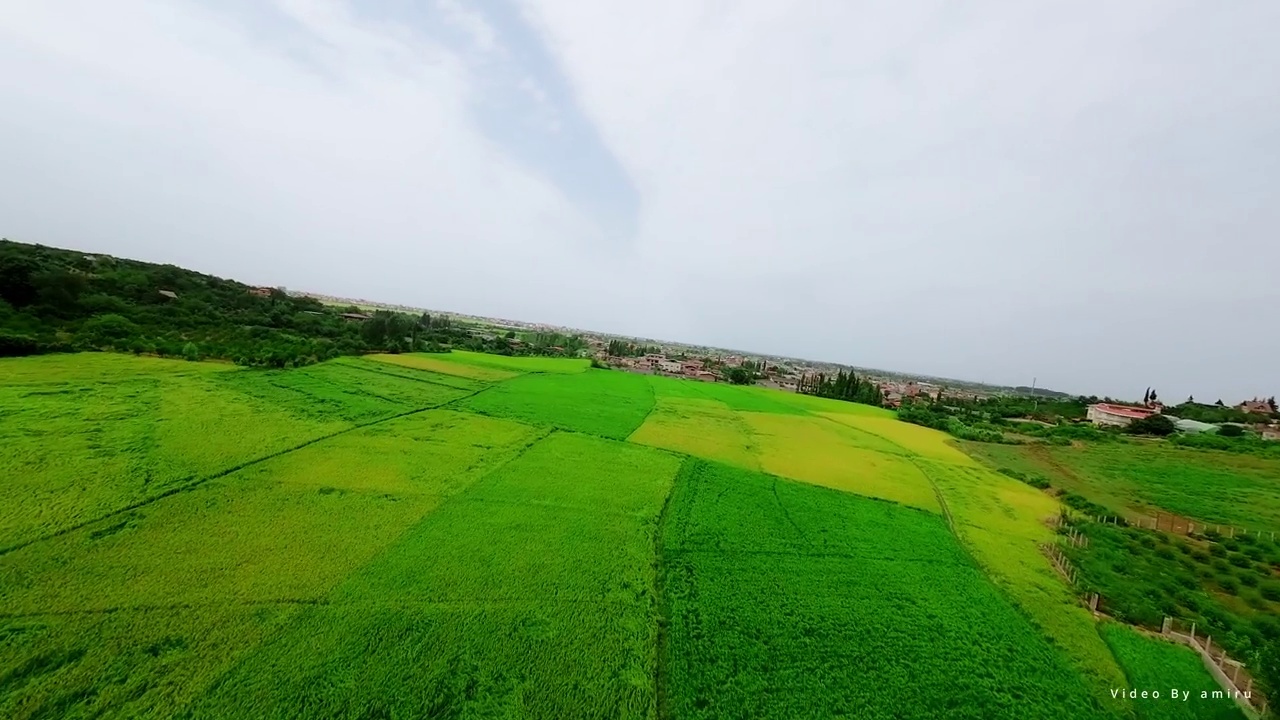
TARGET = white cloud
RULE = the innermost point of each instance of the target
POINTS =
(331, 153)
(982, 190)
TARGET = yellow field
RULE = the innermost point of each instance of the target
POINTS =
(813, 450)
(918, 440)
(1002, 522)
(704, 428)
(435, 364)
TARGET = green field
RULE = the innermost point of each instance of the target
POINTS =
(872, 596)
(1142, 478)
(1152, 664)
(463, 535)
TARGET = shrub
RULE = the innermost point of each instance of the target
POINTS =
(1248, 579)
(1159, 425)
(1271, 591)
(1240, 560)
(1229, 584)
(1231, 431)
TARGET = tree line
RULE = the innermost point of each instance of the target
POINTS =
(844, 385)
(56, 300)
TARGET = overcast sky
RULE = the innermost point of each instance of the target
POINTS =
(1083, 192)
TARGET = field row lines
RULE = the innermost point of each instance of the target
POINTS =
(186, 486)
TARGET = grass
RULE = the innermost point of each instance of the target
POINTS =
(703, 428)
(1205, 485)
(287, 529)
(913, 439)
(843, 606)
(1152, 664)
(369, 364)
(735, 397)
(75, 451)
(817, 451)
(1002, 523)
(199, 540)
(598, 402)
(529, 594)
(436, 363)
(519, 364)
(138, 614)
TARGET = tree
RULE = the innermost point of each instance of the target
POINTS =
(1220, 403)
(1146, 396)
(1272, 402)
(1153, 396)
(1154, 425)
(738, 376)
(1191, 400)
(1231, 431)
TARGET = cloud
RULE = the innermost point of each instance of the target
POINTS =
(1080, 192)
(990, 192)
(293, 143)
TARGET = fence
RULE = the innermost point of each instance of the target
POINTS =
(1060, 562)
(1179, 525)
(1230, 674)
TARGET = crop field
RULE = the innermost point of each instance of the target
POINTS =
(466, 535)
(871, 596)
(597, 402)
(1155, 664)
(1206, 485)
(820, 452)
(703, 428)
(435, 364)
(1002, 523)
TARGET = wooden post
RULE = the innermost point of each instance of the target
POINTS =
(1235, 675)
(1193, 632)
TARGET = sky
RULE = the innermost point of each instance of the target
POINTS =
(1086, 193)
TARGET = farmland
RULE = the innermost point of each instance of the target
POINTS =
(1162, 666)
(1142, 478)
(465, 535)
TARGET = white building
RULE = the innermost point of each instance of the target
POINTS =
(670, 366)
(1117, 415)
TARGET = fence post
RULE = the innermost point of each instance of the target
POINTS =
(1191, 528)
(1193, 632)
(1235, 675)
(1164, 626)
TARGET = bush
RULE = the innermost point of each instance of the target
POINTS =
(14, 345)
(1229, 584)
(1270, 591)
(1159, 425)
(1231, 431)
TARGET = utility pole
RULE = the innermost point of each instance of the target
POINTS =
(1035, 399)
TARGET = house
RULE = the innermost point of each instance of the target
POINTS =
(1117, 415)
(670, 366)
(169, 294)
(1271, 432)
(354, 317)
(705, 376)
(1261, 407)
(691, 366)
(260, 291)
